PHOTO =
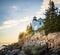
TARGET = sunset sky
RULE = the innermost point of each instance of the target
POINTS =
(15, 15)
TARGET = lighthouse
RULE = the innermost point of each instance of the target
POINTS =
(37, 23)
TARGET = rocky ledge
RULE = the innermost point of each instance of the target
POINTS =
(50, 45)
(30, 48)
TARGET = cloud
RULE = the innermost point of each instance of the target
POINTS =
(14, 7)
(44, 7)
(8, 24)
(11, 23)
(56, 1)
(26, 18)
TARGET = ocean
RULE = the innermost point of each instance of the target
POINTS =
(1, 45)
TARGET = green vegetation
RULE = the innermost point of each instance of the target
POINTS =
(29, 29)
(52, 20)
(27, 32)
(40, 29)
(21, 35)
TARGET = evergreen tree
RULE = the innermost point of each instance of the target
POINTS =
(51, 17)
(58, 22)
(29, 27)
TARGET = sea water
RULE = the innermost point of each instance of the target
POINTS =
(1, 45)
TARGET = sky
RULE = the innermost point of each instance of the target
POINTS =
(15, 15)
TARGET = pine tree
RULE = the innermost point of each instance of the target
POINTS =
(50, 20)
(58, 22)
